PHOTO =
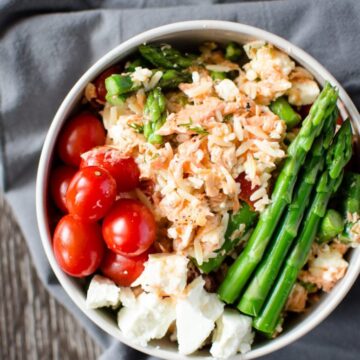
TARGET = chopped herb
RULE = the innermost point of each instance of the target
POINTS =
(197, 128)
(310, 287)
(227, 117)
(137, 127)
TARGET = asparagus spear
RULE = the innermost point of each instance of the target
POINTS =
(260, 285)
(154, 110)
(233, 51)
(117, 86)
(137, 62)
(350, 193)
(244, 216)
(165, 56)
(331, 225)
(285, 112)
(218, 75)
(172, 78)
(327, 185)
(240, 272)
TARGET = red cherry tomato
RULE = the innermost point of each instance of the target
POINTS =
(59, 182)
(100, 81)
(129, 228)
(245, 189)
(78, 246)
(80, 134)
(304, 111)
(123, 169)
(121, 269)
(91, 193)
(339, 120)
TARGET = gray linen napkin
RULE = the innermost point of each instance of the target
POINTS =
(45, 46)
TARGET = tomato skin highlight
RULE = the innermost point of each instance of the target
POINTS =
(123, 169)
(129, 228)
(91, 193)
(121, 269)
(60, 179)
(78, 246)
(80, 134)
(100, 82)
(245, 189)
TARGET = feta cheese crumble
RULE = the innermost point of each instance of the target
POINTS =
(102, 292)
(149, 317)
(227, 90)
(195, 316)
(232, 334)
(164, 274)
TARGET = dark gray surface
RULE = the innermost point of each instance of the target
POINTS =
(32, 323)
(45, 47)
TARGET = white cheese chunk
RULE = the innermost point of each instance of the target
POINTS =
(127, 297)
(303, 92)
(164, 274)
(149, 318)
(227, 90)
(141, 75)
(232, 334)
(195, 316)
(102, 292)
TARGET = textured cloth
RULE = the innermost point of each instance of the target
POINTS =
(45, 46)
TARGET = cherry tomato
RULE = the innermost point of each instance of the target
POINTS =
(339, 120)
(59, 182)
(123, 169)
(245, 189)
(129, 228)
(147, 187)
(304, 111)
(100, 81)
(78, 246)
(80, 134)
(91, 193)
(121, 269)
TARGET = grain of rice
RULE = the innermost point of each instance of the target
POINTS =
(257, 194)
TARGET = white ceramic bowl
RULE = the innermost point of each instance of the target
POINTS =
(189, 32)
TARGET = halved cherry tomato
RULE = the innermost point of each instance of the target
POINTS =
(339, 120)
(304, 111)
(123, 169)
(100, 81)
(91, 193)
(59, 182)
(78, 246)
(121, 269)
(129, 228)
(80, 134)
(245, 189)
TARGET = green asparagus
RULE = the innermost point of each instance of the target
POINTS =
(165, 57)
(327, 185)
(218, 75)
(172, 78)
(233, 51)
(154, 111)
(246, 217)
(137, 62)
(283, 109)
(331, 225)
(240, 272)
(350, 194)
(255, 295)
(119, 84)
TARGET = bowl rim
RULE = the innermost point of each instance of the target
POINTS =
(77, 296)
